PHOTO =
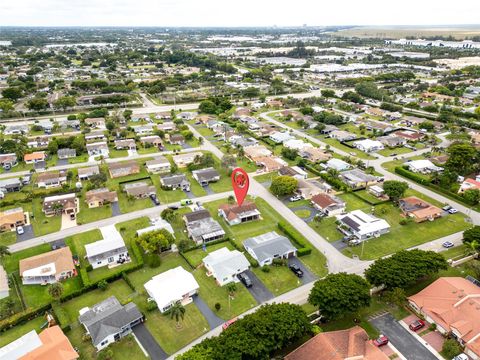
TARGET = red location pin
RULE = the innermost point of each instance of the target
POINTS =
(240, 184)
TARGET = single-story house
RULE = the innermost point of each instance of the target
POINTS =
(342, 135)
(38, 142)
(153, 140)
(280, 137)
(110, 251)
(253, 152)
(328, 204)
(51, 343)
(139, 190)
(87, 172)
(187, 115)
(361, 225)
(368, 145)
(309, 188)
(95, 135)
(10, 185)
(182, 160)
(143, 129)
(173, 286)
(224, 265)
(469, 184)
(98, 149)
(377, 191)
(7, 161)
(293, 171)
(419, 209)
(47, 268)
(66, 153)
(125, 144)
(202, 228)
(423, 166)
(296, 144)
(156, 224)
(99, 197)
(345, 344)
(35, 157)
(337, 164)
(12, 218)
(409, 135)
(270, 163)
(176, 139)
(167, 126)
(206, 176)
(119, 169)
(357, 179)
(392, 141)
(15, 129)
(173, 182)
(95, 123)
(452, 304)
(109, 321)
(159, 165)
(266, 247)
(60, 204)
(51, 179)
(314, 154)
(236, 214)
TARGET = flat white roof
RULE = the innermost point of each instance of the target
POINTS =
(111, 240)
(44, 270)
(158, 224)
(20, 347)
(171, 286)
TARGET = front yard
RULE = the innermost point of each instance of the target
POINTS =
(278, 280)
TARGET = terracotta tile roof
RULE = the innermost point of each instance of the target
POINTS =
(34, 156)
(61, 257)
(102, 194)
(11, 216)
(338, 345)
(453, 303)
(323, 200)
(232, 211)
(55, 346)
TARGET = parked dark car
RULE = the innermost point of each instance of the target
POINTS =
(417, 325)
(245, 280)
(296, 270)
(154, 199)
(173, 207)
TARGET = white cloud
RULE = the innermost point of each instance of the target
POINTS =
(235, 13)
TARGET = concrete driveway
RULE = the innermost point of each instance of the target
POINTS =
(209, 190)
(308, 276)
(405, 343)
(212, 318)
(258, 290)
(67, 222)
(115, 208)
(62, 162)
(27, 234)
(149, 343)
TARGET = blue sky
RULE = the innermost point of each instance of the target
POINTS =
(236, 13)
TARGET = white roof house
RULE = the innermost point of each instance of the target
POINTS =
(280, 137)
(109, 250)
(368, 145)
(157, 224)
(172, 286)
(362, 226)
(296, 144)
(423, 166)
(21, 347)
(224, 265)
(337, 164)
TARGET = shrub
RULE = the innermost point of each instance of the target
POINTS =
(403, 222)
(304, 251)
(432, 327)
(265, 269)
(218, 306)
(151, 306)
(451, 348)
(152, 260)
(102, 285)
(89, 267)
(279, 262)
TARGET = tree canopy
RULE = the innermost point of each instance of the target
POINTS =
(255, 336)
(155, 241)
(404, 268)
(339, 294)
(395, 189)
(284, 185)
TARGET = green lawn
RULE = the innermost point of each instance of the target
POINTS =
(397, 150)
(19, 330)
(8, 238)
(336, 144)
(327, 229)
(118, 288)
(126, 205)
(79, 159)
(195, 257)
(212, 293)
(43, 225)
(77, 244)
(37, 295)
(10, 263)
(455, 252)
(171, 338)
(303, 213)
(87, 215)
(279, 280)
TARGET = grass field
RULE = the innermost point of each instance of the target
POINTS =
(278, 280)
(20, 330)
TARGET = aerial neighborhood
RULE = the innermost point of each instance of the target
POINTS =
(353, 231)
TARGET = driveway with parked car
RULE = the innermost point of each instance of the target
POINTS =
(307, 275)
(405, 343)
(258, 289)
(26, 234)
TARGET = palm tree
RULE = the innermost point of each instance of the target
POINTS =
(55, 290)
(177, 311)
(3, 252)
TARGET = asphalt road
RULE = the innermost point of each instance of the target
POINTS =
(410, 347)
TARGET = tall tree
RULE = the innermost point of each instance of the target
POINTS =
(155, 241)
(404, 268)
(395, 189)
(55, 290)
(339, 294)
(283, 185)
(462, 158)
(177, 312)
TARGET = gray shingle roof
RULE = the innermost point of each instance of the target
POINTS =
(267, 245)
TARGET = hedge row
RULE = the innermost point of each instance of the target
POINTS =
(335, 182)
(412, 176)
(23, 317)
(292, 233)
